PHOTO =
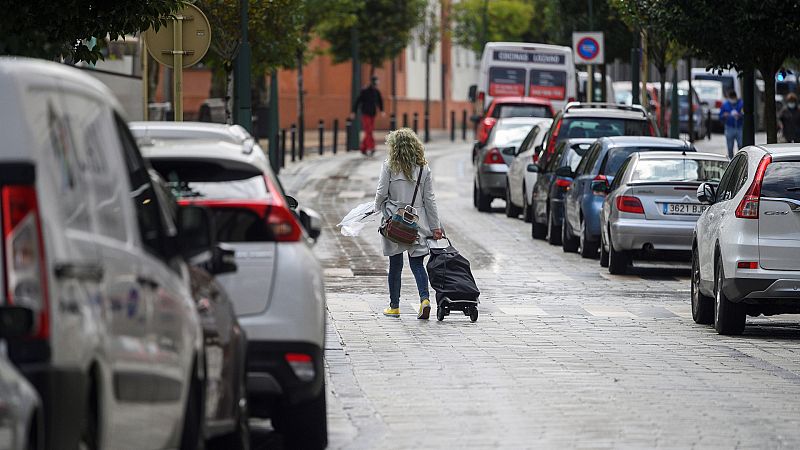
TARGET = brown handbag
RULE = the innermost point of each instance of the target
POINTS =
(403, 227)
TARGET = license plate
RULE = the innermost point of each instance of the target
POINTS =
(684, 209)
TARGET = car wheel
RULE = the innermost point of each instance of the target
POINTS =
(527, 211)
(193, 415)
(702, 305)
(305, 425)
(239, 438)
(568, 242)
(603, 252)
(538, 230)
(553, 230)
(588, 249)
(511, 210)
(483, 201)
(90, 436)
(618, 261)
(729, 317)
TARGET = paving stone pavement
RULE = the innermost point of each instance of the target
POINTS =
(563, 355)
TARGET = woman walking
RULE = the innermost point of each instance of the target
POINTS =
(396, 186)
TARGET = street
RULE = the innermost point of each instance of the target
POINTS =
(563, 354)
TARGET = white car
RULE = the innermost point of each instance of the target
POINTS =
(115, 352)
(746, 244)
(520, 180)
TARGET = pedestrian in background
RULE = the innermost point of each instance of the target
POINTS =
(732, 116)
(396, 185)
(789, 119)
(370, 101)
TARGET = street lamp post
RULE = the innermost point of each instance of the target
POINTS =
(243, 114)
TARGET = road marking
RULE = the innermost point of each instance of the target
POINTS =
(341, 272)
(684, 311)
(523, 310)
(607, 311)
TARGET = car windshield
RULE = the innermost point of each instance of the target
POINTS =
(507, 135)
(597, 127)
(521, 110)
(678, 170)
(574, 155)
(210, 180)
(616, 156)
(709, 92)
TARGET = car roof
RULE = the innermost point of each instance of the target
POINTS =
(781, 149)
(610, 110)
(525, 100)
(687, 155)
(579, 141)
(202, 149)
(649, 141)
(188, 130)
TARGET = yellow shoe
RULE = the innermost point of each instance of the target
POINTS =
(424, 309)
(391, 312)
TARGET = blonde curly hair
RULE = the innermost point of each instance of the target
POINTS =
(405, 152)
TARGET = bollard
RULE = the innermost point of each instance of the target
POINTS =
(348, 125)
(321, 129)
(293, 133)
(708, 125)
(464, 125)
(301, 140)
(283, 147)
(393, 122)
(405, 120)
(335, 134)
(426, 127)
(452, 126)
(414, 126)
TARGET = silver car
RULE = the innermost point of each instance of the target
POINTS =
(492, 160)
(519, 194)
(651, 208)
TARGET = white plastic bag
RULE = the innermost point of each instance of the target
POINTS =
(357, 219)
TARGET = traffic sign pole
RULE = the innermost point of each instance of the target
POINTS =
(177, 61)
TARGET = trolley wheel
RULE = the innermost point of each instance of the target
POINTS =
(473, 315)
(440, 313)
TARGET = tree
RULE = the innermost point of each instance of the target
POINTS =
(745, 35)
(384, 30)
(477, 22)
(48, 29)
(274, 35)
(429, 35)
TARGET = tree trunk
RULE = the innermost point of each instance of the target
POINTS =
(662, 98)
(301, 120)
(229, 94)
(770, 115)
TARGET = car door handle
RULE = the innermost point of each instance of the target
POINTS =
(147, 282)
(79, 271)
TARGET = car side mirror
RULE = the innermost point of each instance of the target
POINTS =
(473, 92)
(15, 321)
(533, 168)
(223, 260)
(706, 194)
(311, 221)
(600, 186)
(510, 151)
(564, 172)
(292, 202)
(196, 233)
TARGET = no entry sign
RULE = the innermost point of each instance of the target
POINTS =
(588, 48)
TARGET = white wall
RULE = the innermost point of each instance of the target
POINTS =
(464, 65)
(415, 72)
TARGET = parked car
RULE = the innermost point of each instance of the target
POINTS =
(744, 254)
(553, 181)
(519, 191)
(492, 160)
(21, 420)
(506, 107)
(712, 95)
(582, 204)
(277, 291)
(116, 350)
(224, 341)
(650, 211)
(596, 120)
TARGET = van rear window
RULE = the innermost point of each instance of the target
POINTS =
(506, 81)
(521, 110)
(727, 82)
(550, 84)
(782, 180)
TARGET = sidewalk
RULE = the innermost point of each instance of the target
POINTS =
(717, 143)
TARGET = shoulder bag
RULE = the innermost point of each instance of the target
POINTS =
(403, 226)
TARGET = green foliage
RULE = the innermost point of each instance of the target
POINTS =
(479, 21)
(384, 29)
(51, 29)
(429, 32)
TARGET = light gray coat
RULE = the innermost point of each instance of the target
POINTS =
(395, 192)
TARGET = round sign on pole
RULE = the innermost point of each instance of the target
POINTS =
(588, 48)
(196, 37)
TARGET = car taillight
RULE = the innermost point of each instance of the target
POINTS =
(493, 156)
(751, 265)
(629, 204)
(25, 271)
(571, 99)
(748, 207)
(535, 158)
(551, 143)
(718, 104)
(563, 182)
(283, 224)
(302, 365)
(486, 127)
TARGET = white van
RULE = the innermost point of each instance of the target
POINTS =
(116, 350)
(519, 69)
(597, 87)
(728, 78)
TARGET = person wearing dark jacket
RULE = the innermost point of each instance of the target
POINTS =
(789, 119)
(370, 101)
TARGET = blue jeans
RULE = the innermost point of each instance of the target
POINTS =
(731, 134)
(395, 273)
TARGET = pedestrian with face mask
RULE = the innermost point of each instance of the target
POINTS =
(789, 119)
(732, 116)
